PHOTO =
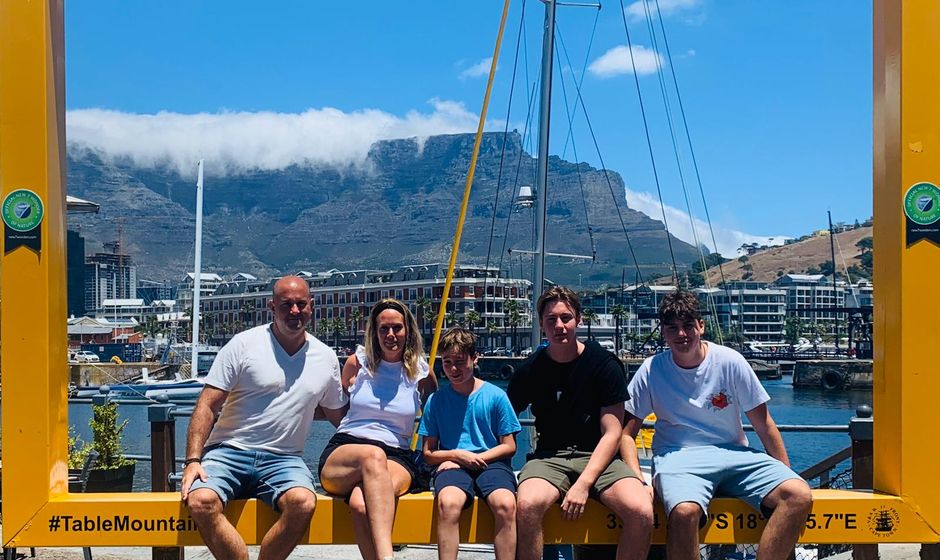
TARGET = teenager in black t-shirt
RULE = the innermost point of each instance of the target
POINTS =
(577, 392)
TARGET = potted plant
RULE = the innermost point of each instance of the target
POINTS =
(112, 471)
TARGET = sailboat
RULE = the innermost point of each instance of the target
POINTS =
(202, 355)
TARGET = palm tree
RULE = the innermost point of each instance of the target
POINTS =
(588, 316)
(491, 329)
(338, 326)
(357, 316)
(619, 312)
(247, 313)
(513, 314)
(424, 306)
(472, 317)
(323, 327)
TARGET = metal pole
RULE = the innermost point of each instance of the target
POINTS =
(835, 295)
(861, 431)
(163, 462)
(541, 177)
(197, 273)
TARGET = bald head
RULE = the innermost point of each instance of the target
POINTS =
(288, 283)
(291, 307)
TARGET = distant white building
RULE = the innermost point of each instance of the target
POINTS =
(208, 283)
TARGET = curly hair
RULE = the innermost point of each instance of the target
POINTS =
(680, 304)
(414, 346)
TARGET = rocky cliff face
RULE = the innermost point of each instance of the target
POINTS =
(400, 207)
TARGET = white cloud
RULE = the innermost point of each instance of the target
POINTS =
(728, 240)
(617, 61)
(478, 70)
(667, 7)
(233, 142)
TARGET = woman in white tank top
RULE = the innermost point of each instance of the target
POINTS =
(370, 458)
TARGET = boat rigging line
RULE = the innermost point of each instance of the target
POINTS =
(455, 248)
(610, 186)
(667, 106)
(649, 143)
(570, 114)
(502, 153)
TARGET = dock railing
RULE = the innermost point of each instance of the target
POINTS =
(162, 416)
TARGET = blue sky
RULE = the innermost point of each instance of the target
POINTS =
(777, 94)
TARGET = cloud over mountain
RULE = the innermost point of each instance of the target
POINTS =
(233, 142)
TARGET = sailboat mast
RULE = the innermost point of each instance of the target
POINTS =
(541, 176)
(835, 295)
(197, 273)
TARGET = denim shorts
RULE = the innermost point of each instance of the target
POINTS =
(695, 474)
(496, 476)
(237, 474)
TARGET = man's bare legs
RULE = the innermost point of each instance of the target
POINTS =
(535, 496)
(682, 531)
(296, 506)
(633, 504)
(223, 540)
(791, 501)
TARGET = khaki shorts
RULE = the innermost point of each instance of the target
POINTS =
(563, 469)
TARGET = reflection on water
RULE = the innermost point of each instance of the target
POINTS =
(787, 406)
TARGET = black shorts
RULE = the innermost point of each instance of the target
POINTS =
(404, 457)
(495, 476)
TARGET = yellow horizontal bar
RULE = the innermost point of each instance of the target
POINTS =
(159, 519)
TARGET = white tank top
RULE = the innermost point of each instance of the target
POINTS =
(383, 404)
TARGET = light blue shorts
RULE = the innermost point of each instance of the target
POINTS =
(695, 474)
(238, 474)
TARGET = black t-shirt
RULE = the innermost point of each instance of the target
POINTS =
(567, 398)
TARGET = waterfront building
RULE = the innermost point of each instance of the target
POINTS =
(208, 282)
(753, 309)
(495, 306)
(813, 299)
(91, 330)
(149, 291)
(109, 276)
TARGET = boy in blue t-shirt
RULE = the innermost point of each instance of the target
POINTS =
(469, 430)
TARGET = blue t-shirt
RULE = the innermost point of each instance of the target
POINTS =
(472, 423)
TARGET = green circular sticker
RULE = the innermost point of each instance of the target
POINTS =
(922, 203)
(22, 210)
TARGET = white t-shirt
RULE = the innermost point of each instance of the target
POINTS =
(383, 404)
(698, 406)
(272, 395)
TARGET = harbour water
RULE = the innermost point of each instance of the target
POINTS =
(788, 406)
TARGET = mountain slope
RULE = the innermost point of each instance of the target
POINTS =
(400, 207)
(798, 257)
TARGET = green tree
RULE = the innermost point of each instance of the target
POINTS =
(338, 327)
(472, 318)
(424, 307)
(106, 436)
(357, 317)
(588, 317)
(513, 312)
(792, 330)
(619, 313)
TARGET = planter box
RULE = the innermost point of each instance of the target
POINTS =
(120, 479)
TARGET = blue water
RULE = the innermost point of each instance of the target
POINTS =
(788, 406)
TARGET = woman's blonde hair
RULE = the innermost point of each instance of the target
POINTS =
(414, 346)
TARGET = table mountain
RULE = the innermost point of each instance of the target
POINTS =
(400, 206)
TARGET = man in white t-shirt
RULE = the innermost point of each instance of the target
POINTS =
(698, 391)
(247, 433)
